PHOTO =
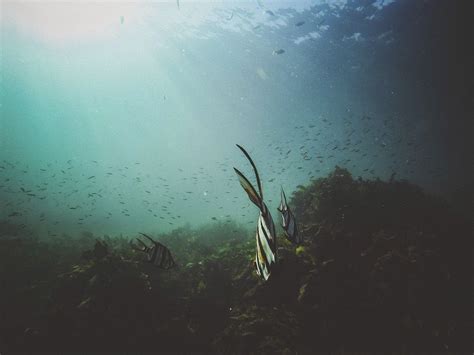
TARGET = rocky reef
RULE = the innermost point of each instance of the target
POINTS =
(384, 266)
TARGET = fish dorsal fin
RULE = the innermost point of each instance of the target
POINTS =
(249, 189)
(283, 201)
(259, 185)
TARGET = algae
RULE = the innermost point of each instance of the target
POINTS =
(383, 267)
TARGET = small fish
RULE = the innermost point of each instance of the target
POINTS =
(157, 254)
(278, 51)
(266, 257)
(269, 12)
(300, 23)
(288, 221)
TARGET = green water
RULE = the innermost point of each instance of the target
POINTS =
(151, 100)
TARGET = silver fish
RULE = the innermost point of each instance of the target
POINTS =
(288, 221)
(157, 254)
(265, 257)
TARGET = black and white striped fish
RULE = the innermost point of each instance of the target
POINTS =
(157, 254)
(266, 257)
(288, 221)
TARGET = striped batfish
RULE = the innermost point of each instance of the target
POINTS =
(157, 254)
(265, 258)
(288, 221)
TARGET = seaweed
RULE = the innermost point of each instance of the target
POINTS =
(384, 266)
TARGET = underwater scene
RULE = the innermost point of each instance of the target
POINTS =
(235, 177)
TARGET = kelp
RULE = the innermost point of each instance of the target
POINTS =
(383, 266)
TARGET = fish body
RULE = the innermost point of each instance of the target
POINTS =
(157, 254)
(265, 257)
(288, 221)
(265, 237)
(278, 51)
(298, 24)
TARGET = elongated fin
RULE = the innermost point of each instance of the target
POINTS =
(259, 185)
(283, 196)
(143, 245)
(148, 237)
(249, 189)
(134, 247)
(283, 204)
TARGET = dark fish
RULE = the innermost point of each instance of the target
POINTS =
(266, 257)
(269, 12)
(288, 221)
(278, 51)
(300, 23)
(157, 254)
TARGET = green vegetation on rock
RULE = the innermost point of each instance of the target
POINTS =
(382, 268)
